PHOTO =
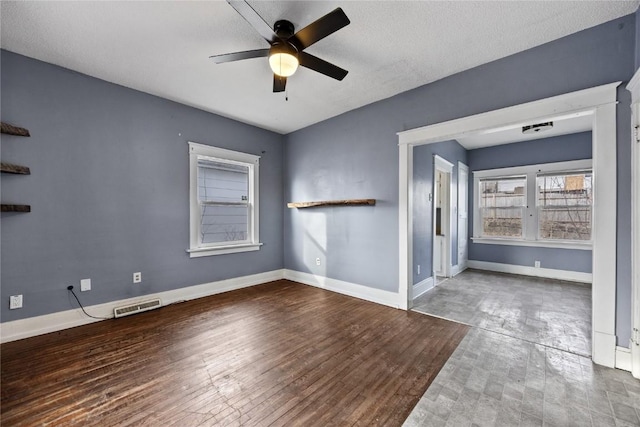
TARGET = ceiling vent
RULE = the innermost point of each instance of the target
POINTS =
(537, 128)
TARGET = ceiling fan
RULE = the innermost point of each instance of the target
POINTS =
(287, 49)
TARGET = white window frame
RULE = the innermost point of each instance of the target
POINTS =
(530, 218)
(252, 243)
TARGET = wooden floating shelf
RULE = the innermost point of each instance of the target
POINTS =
(351, 202)
(13, 130)
(17, 169)
(16, 208)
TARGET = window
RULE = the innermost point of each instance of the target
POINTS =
(502, 205)
(564, 205)
(223, 201)
(537, 205)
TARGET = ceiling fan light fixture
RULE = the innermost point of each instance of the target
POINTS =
(283, 59)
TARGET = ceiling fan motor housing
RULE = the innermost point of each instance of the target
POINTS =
(283, 29)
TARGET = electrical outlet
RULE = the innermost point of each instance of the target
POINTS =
(317, 261)
(418, 268)
(536, 264)
(137, 277)
(15, 301)
(85, 285)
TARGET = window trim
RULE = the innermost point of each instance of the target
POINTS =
(530, 226)
(252, 243)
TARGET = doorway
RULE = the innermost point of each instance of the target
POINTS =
(601, 103)
(441, 237)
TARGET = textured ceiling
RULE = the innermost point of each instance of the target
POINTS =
(162, 48)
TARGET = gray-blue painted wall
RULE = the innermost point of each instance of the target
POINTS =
(106, 180)
(547, 150)
(109, 190)
(423, 208)
(356, 153)
(638, 38)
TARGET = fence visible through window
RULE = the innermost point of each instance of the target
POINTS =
(564, 203)
(502, 204)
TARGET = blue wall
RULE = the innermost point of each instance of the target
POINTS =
(109, 183)
(356, 153)
(548, 150)
(109, 190)
(638, 38)
(341, 159)
(423, 208)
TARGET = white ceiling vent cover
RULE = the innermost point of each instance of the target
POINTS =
(136, 308)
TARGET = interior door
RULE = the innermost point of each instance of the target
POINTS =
(463, 215)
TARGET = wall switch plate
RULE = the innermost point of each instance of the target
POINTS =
(85, 285)
(137, 277)
(536, 264)
(15, 301)
(317, 261)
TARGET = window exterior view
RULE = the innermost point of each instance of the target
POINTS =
(564, 206)
(502, 205)
(537, 203)
(223, 197)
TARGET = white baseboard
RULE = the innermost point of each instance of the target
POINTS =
(32, 326)
(346, 288)
(549, 273)
(422, 287)
(623, 358)
(457, 269)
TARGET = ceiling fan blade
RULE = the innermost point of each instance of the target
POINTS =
(251, 16)
(237, 56)
(317, 30)
(321, 66)
(279, 83)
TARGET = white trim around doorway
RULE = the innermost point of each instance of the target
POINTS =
(601, 102)
(634, 359)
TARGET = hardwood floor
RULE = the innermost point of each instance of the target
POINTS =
(281, 353)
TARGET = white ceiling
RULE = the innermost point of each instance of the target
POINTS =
(562, 125)
(162, 48)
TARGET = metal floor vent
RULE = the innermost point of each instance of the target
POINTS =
(136, 308)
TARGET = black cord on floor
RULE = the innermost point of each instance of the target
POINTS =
(70, 289)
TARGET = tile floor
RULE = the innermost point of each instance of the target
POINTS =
(493, 379)
(544, 311)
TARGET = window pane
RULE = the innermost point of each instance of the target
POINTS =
(502, 203)
(223, 192)
(222, 182)
(224, 223)
(564, 206)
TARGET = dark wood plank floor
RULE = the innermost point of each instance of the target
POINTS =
(275, 354)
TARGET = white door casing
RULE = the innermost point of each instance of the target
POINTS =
(634, 88)
(463, 215)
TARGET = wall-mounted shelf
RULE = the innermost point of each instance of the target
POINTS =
(16, 208)
(350, 202)
(17, 169)
(13, 130)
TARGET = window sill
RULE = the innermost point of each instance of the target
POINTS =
(561, 244)
(221, 250)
